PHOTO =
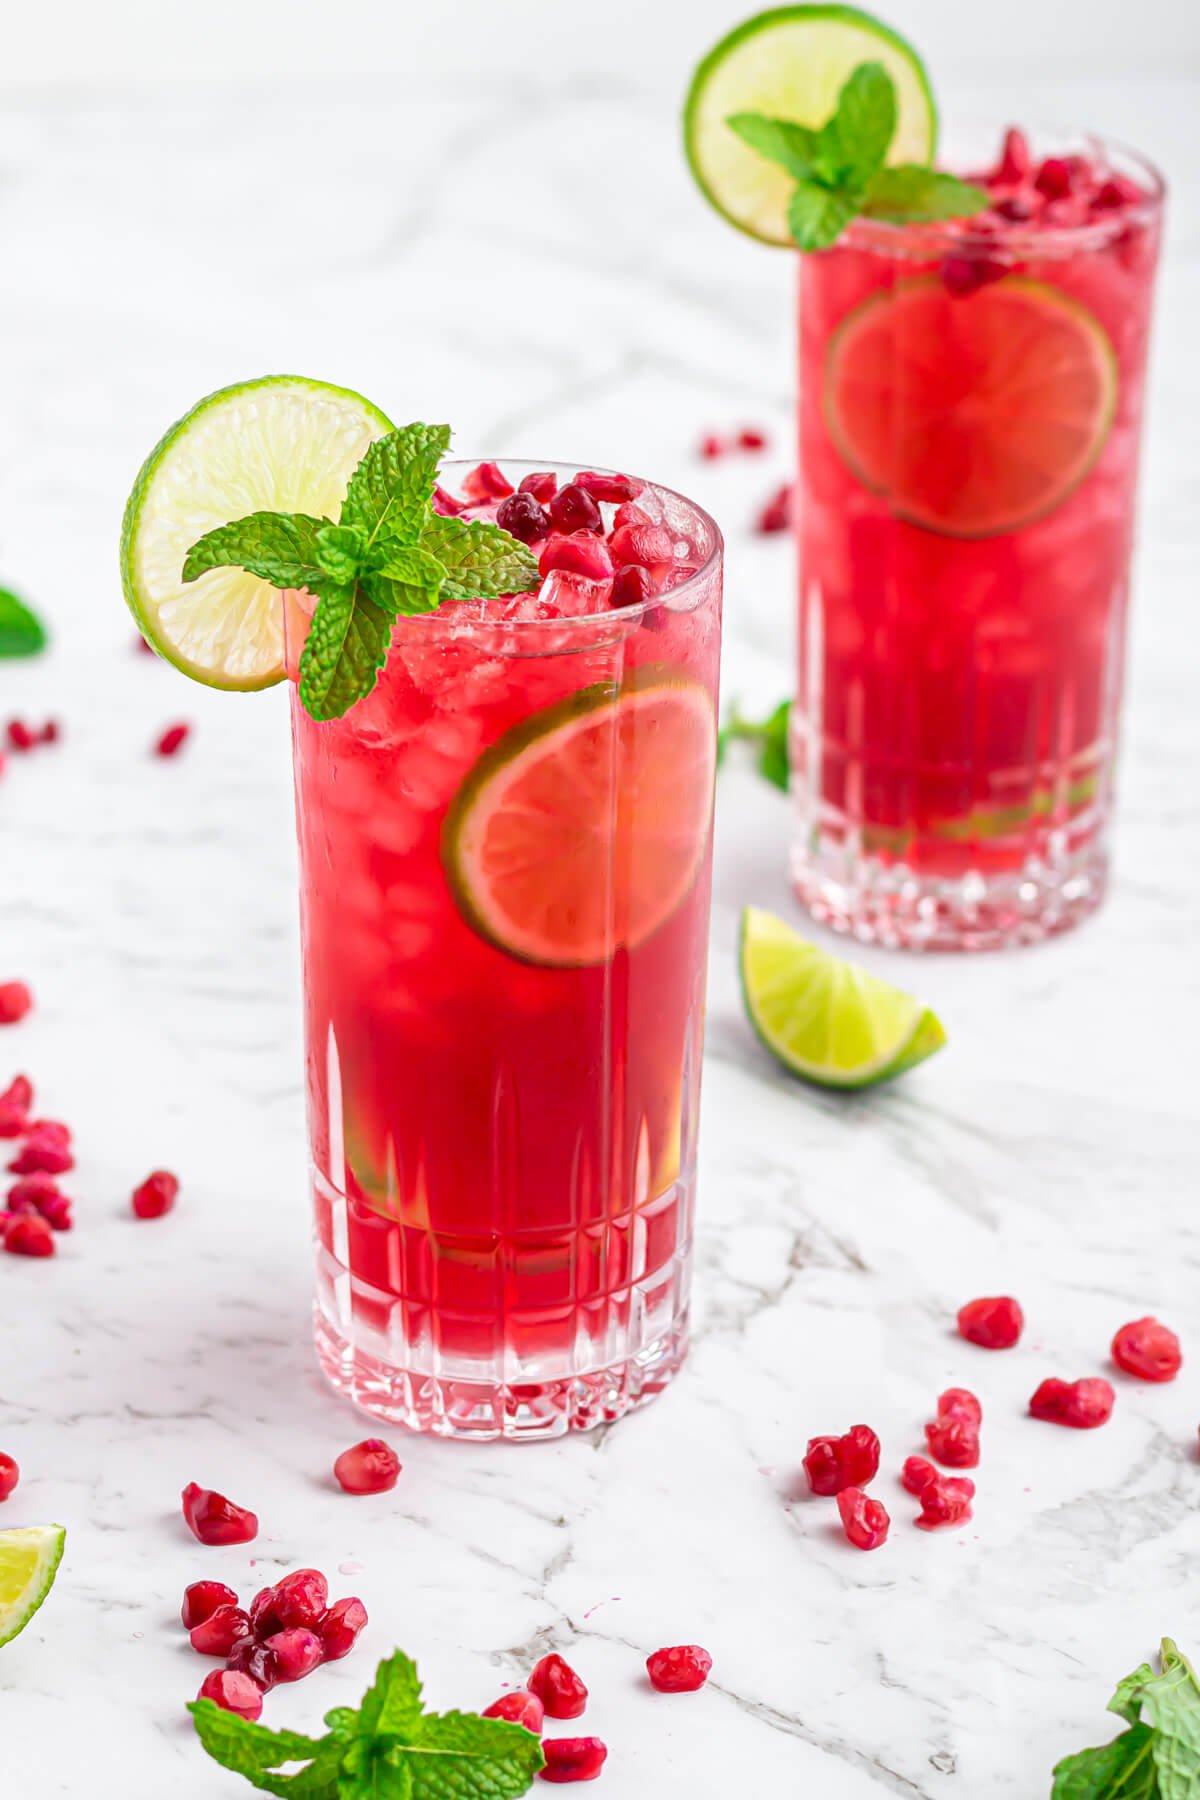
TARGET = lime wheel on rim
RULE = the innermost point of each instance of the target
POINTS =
(584, 828)
(971, 416)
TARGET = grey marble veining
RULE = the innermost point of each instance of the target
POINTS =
(480, 258)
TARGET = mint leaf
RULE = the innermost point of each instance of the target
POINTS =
(1122, 1770)
(392, 488)
(909, 193)
(481, 561)
(347, 645)
(21, 631)
(1170, 1703)
(393, 1702)
(406, 580)
(255, 1751)
(793, 147)
(278, 547)
(854, 142)
(459, 1756)
(769, 735)
(340, 551)
(818, 215)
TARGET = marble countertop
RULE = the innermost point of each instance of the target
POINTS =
(533, 264)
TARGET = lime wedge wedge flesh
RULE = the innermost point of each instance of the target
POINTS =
(279, 444)
(791, 63)
(29, 1560)
(828, 1020)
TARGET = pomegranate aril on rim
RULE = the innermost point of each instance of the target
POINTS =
(156, 1195)
(561, 1691)
(573, 1759)
(340, 1627)
(609, 487)
(519, 1708)
(995, 1323)
(217, 1635)
(10, 1474)
(297, 1652)
(446, 504)
(946, 1500)
(371, 1467)
(1147, 1349)
(233, 1692)
(865, 1521)
(15, 1001)
(487, 482)
(28, 1235)
(201, 1600)
(215, 1520)
(680, 1669)
(1082, 1405)
(522, 517)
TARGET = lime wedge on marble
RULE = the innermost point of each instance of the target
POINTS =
(29, 1560)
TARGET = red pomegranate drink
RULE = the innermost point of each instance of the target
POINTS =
(970, 409)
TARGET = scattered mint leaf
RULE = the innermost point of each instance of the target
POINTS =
(793, 147)
(818, 215)
(392, 488)
(278, 547)
(481, 561)
(1124, 1769)
(1158, 1757)
(908, 193)
(455, 1753)
(393, 1702)
(769, 735)
(855, 141)
(21, 631)
(251, 1750)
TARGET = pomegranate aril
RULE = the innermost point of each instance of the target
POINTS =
(823, 1466)
(217, 1635)
(960, 1403)
(172, 740)
(14, 1120)
(215, 1520)
(28, 1235)
(865, 1521)
(541, 484)
(1055, 178)
(522, 517)
(340, 1627)
(233, 1692)
(1082, 1405)
(15, 1002)
(954, 1442)
(561, 1691)
(297, 1652)
(572, 509)
(616, 488)
(50, 733)
(201, 1600)
(20, 735)
(248, 1657)
(573, 1759)
(446, 504)
(371, 1467)
(946, 1500)
(1147, 1349)
(711, 447)
(57, 1213)
(681, 1669)
(264, 1619)
(32, 1191)
(156, 1195)
(859, 1452)
(630, 513)
(1016, 159)
(1016, 208)
(917, 1473)
(580, 554)
(750, 438)
(301, 1599)
(519, 1708)
(776, 515)
(10, 1474)
(45, 1152)
(18, 1094)
(487, 482)
(632, 586)
(1116, 192)
(834, 1463)
(994, 1323)
(966, 274)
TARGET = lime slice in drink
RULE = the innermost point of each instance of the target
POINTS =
(280, 444)
(827, 1019)
(29, 1562)
(791, 63)
(585, 827)
(970, 415)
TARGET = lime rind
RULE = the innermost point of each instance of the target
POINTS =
(280, 443)
(827, 1020)
(42, 1546)
(791, 63)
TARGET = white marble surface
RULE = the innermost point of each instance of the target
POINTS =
(532, 263)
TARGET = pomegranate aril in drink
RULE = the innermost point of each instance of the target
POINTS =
(446, 504)
(519, 1708)
(630, 513)
(561, 1691)
(616, 488)
(1018, 209)
(994, 1324)
(1115, 193)
(681, 1669)
(834, 1463)
(542, 484)
(1082, 1405)
(172, 740)
(233, 1692)
(249, 1657)
(340, 1627)
(1147, 1349)
(644, 544)
(865, 1521)
(580, 554)
(10, 1474)
(487, 482)
(301, 1599)
(1055, 178)
(15, 1002)
(946, 1500)
(776, 515)
(217, 1635)
(632, 586)
(522, 517)
(572, 509)
(28, 1235)
(953, 1441)
(371, 1467)
(917, 1473)
(156, 1195)
(201, 1600)
(964, 274)
(573, 1759)
(297, 1652)
(960, 1403)
(215, 1520)
(1016, 159)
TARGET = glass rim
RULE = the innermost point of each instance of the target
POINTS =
(614, 615)
(930, 237)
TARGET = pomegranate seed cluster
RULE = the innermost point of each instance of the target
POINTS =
(23, 737)
(286, 1632)
(715, 444)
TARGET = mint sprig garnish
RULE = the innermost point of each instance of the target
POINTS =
(1158, 1757)
(21, 631)
(388, 554)
(840, 170)
(389, 1748)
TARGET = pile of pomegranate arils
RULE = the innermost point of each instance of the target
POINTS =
(842, 1467)
(595, 546)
